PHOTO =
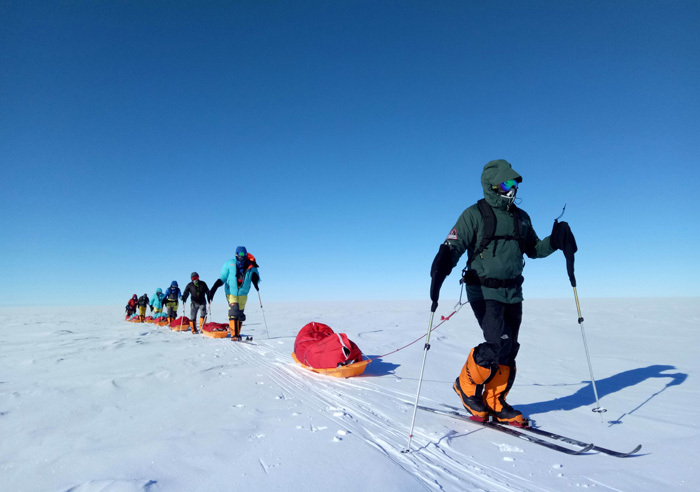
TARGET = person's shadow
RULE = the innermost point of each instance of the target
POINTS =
(585, 396)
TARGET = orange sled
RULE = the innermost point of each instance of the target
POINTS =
(354, 369)
(215, 330)
(180, 324)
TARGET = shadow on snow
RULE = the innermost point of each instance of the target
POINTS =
(585, 396)
(379, 368)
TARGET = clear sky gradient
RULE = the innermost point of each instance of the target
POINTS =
(339, 141)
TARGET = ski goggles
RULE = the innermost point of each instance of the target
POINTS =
(195, 277)
(241, 255)
(506, 186)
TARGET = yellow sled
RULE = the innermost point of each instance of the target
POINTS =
(354, 369)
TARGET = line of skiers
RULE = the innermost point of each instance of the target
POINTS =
(495, 234)
(237, 275)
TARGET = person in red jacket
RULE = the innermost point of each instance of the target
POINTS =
(131, 305)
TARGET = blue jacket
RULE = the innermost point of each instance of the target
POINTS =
(157, 300)
(172, 290)
(228, 277)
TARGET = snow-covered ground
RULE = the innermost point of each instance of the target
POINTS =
(89, 402)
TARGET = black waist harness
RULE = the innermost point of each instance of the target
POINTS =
(471, 278)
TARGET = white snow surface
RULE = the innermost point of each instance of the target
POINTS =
(90, 402)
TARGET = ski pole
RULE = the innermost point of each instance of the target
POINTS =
(182, 320)
(420, 382)
(203, 319)
(207, 314)
(263, 313)
(597, 409)
(567, 243)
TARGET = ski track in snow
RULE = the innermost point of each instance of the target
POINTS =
(436, 466)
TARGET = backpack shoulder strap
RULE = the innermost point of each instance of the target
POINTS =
(521, 234)
(489, 220)
(518, 221)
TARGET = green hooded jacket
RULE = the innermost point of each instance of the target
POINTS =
(502, 259)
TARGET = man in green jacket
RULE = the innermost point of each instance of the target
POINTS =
(495, 234)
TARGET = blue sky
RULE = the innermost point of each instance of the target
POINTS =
(339, 142)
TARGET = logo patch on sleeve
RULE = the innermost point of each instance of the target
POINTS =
(452, 234)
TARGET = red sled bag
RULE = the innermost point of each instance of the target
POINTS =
(215, 330)
(180, 324)
(319, 347)
(211, 326)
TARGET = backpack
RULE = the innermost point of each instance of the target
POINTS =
(489, 234)
(172, 294)
(250, 263)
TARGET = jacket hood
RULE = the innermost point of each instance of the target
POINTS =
(496, 172)
(173, 283)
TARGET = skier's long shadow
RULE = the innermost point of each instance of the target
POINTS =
(585, 396)
(379, 368)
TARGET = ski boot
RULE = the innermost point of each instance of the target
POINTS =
(469, 386)
(495, 393)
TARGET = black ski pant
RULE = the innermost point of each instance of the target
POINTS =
(235, 312)
(500, 324)
(195, 309)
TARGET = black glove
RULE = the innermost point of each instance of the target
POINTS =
(562, 237)
(440, 269)
(255, 278)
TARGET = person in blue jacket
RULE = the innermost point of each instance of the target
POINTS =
(157, 301)
(236, 276)
(172, 295)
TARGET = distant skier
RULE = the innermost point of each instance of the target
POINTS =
(172, 295)
(157, 301)
(495, 234)
(200, 295)
(237, 275)
(131, 305)
(143, 304)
